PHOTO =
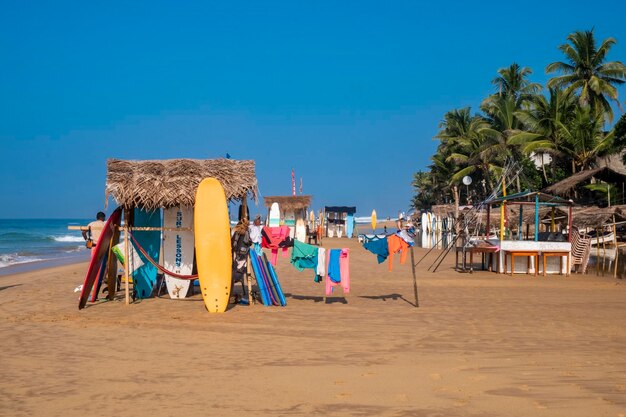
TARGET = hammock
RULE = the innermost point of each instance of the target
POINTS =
(156, 265)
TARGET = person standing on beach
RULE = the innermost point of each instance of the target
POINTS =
(255, 233)
(94, 230)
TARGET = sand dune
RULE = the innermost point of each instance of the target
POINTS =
(478, 345)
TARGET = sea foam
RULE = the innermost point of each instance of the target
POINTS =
(68, 238)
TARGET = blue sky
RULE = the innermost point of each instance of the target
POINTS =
(348, 93)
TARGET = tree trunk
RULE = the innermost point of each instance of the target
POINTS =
(455, 193)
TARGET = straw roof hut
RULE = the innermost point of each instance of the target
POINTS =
(167, 183)
(595, 217)
(604, 173)
(289, 202)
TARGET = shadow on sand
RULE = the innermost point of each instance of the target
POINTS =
(385, 297)
(6, 287)
(318, 299)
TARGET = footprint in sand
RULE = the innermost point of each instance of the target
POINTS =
(435, 377)
(368, 374)
(344, 395)
(339, 382)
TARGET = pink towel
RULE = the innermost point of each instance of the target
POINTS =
(344, 266)
(276, 235)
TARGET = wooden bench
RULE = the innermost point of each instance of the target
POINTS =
(527, 253)
(560, 254)
(484, 250)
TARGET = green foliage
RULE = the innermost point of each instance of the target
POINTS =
(565, 126)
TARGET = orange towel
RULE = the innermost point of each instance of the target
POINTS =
(396, 243)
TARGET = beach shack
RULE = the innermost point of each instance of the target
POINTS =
(339, 221)
(548, 252)
(292, 208)
(145, 189)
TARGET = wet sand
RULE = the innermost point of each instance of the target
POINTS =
(478, 345)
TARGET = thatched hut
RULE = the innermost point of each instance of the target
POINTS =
(292, 207)
(596, 217)
(172, 182)
(571, 187)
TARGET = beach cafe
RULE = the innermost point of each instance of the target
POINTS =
(292, 208)
(539, 252)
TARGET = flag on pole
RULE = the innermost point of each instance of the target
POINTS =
(293, 182)
(300, 185)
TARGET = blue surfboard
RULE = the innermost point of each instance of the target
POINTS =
(275, 283)
(349, 225)
(254, 260)
(271, 291)
(145, 277)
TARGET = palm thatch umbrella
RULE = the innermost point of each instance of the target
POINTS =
(173, 182)
(289, 202)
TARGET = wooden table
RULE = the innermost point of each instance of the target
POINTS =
(527, 253)
(560, 254)
(483, 250)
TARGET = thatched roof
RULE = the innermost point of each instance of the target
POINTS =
(168, 183)
(604, 173)
(597, 217)
(443, 210)
(289, 202)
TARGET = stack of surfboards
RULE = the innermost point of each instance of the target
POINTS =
(267, 280)
(98, 263)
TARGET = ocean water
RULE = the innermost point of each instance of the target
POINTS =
(24, 241)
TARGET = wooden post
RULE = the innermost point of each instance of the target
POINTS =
(414, 278)
(248, 278)
(521, 222)
(502, 209)
(616, 247)
(112, 266)
(126, 256)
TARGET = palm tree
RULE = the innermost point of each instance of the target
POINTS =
(452, 160)
(587, 72)
(544, 122)
(586, 140)
(512, 81)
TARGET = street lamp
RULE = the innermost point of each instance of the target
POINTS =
(467, 180)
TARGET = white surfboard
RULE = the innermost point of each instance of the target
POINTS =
(424, 222)
(178, 249)
(274, 219)
(300, 230)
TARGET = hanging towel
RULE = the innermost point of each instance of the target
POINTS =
(321, 262)
(272, 238)
(379, 247)
(343, 273)
(304, 256)
(344, 266)
(334, 270)
(397, 244)
(406, 237)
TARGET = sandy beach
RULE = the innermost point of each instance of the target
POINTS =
(478, 345)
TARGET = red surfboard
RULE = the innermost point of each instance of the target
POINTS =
(96, 261)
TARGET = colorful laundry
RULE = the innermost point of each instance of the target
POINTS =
(378, 247)
(321, 262)
(342, 270)
(304, 256)
(397, 244)
(334, 269)
(273, 237)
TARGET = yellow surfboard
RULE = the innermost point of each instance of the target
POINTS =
(212, 241)
(373, 220)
